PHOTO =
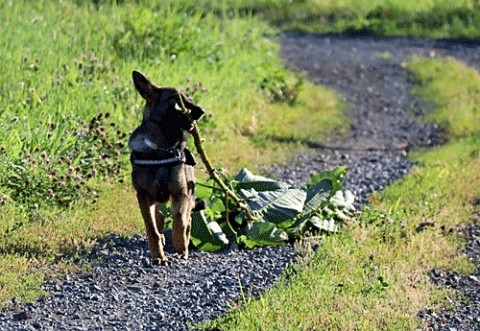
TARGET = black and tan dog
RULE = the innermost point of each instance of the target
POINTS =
(163, 166)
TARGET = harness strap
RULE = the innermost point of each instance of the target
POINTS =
(170, 162)
(156, 149)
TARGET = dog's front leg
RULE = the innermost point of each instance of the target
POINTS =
(155, 237)
(181, 208)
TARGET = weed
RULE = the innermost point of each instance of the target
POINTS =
(39, 176)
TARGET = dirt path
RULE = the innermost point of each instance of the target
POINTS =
(124, 292)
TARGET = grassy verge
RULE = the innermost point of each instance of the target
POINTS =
(457, 107)
(68, 105)
(374, 275)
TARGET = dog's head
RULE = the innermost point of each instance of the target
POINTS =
(165, 105)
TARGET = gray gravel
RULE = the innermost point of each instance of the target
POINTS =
(124, 291)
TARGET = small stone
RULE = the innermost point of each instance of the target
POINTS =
(474, 278)
(20, 316)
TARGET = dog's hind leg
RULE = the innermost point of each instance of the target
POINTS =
(155, 236)
(182, 219)
(160, 222)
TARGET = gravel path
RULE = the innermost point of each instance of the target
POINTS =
(124, 292)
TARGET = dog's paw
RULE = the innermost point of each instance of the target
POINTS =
(165, 263)
(162, 262)
(180, 257)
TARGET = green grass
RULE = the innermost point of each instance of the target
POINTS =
(374, 275)
(458, 104)
(52, 91)
(428, 18)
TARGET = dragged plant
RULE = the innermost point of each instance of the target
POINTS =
(282, 213)
(253, 210)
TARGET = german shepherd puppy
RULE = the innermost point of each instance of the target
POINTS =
(162, 166)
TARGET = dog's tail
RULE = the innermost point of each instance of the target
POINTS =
(200, 204)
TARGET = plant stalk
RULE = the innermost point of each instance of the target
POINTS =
(211, 170)
(214, 175)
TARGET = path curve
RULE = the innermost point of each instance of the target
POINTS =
(369, 74)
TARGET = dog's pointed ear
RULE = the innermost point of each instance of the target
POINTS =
(196, 110)
(144, 86)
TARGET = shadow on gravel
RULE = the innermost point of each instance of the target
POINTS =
(317, 145)
(115, 250)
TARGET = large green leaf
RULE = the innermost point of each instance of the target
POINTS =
(246, 180)
(312, 223)
(207, 235)
(323, 209)
(317, 195)
(262, 234)
(276, 206)
(204, 189)
(215, 208)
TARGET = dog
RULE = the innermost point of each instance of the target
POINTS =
(162, 166)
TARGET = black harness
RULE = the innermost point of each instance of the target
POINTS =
(160, 157)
